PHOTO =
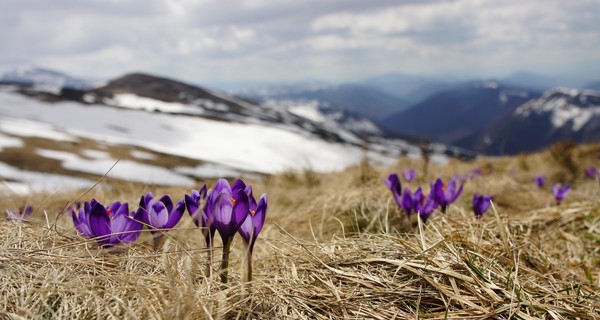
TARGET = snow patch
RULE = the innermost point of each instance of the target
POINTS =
(209, 170)
(30, 182)
(28, 128)
(308, 110)
(132, 101)
(7, 142)
(125, 169)
(142, 155)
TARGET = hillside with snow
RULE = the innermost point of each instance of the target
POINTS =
(140, 127)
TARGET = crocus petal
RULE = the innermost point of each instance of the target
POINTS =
(222, 186)
(258, 219)
(119, 223)
(113, 208)
(457, 194)
(251, 200)
(450, 188)
(99, 221)
(79, 224)
(240, 210)
(438, 191)
(246, 229)
(157, 214)
(175, 215)
(407, 200)
(222, 210)
(237, 186)
(167, 202)
(192, 204)
(132, 229)
(393, 183)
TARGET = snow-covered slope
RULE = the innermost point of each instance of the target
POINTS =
(559, 114)
(225, 135)
(41, 79)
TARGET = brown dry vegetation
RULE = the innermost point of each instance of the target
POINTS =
(334, 246)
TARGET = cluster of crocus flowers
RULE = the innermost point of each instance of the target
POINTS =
(560, 192)
(109, 226)
(21, 215)
(228, 210)
(225, 209)
(481, 203)
(422, 204)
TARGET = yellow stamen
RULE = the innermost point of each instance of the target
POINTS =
(232, 200)
(253, 212)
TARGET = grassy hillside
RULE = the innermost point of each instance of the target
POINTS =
(334, 246)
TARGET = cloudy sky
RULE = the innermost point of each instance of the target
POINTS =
(223, 42)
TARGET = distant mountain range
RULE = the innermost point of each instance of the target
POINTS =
(451, 116)
(476, 115)
(357, 99)
(558, 114)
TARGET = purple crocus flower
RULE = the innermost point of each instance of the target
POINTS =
(22, 215)
(160, 215)
(444, 194)
(197, 208)
(253, 225)
(560, 192)
(408, 175)
(393, 183)
(424, 205)
(481, 204)
(540, 181)
(228, 207)
(255, 218)
(591, 172)
(107, 225)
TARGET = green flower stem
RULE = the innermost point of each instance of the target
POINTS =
(248, 265)
(209, 258)
(158, 240)
(225, 260)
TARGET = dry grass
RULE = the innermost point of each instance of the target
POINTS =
(334, 246)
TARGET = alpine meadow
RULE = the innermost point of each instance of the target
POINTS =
(333, 246)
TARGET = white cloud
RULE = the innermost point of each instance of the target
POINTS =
(208, 41)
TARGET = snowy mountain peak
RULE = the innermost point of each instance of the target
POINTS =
(563, 106)
(43, 79)
(574, 93)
